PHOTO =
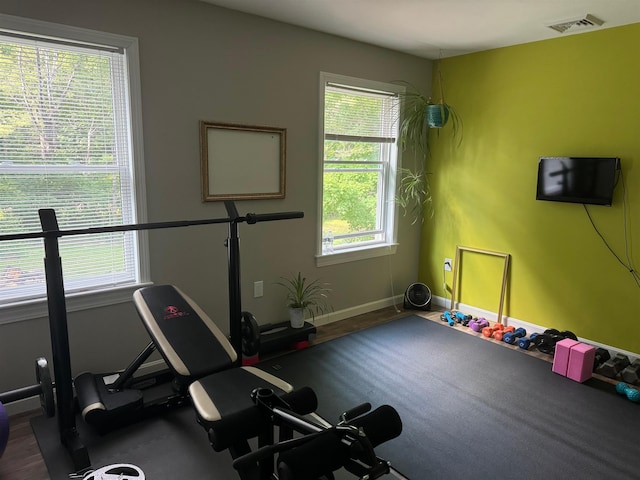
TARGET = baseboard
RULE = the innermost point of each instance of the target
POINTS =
(517, 323)
(358, 310)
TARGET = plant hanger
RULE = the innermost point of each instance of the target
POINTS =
(438, 113)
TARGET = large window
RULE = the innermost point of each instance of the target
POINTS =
(67, 142)
(360, 156)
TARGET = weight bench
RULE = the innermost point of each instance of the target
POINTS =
(204, 361)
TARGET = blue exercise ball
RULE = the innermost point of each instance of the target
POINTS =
(4, 429)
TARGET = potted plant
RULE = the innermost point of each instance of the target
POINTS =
(439, 113)
(304, 296)
(422, 113)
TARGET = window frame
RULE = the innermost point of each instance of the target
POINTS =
(390, 217)
(98, 296)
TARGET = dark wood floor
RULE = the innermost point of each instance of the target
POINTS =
(22, 459)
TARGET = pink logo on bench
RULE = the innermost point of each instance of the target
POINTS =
(174, 312)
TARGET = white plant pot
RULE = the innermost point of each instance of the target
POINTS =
(296, 317)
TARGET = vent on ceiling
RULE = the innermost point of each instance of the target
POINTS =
(577, 24)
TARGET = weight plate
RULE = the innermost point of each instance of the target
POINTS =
(568, 334)
(43, 378)
(250, 332)
(545, 343)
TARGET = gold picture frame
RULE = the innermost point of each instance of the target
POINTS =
(242, 162)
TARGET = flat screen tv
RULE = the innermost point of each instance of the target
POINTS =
(587, 180)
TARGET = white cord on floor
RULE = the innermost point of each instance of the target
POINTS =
(117, 471)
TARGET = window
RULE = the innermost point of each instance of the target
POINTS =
(69, 140)
(360, 157)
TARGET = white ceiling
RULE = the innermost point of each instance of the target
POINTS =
(434, 28)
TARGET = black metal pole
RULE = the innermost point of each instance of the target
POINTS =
(235, 300)
(60, 343)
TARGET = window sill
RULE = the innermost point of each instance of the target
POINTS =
(30, 310)
(355, 254)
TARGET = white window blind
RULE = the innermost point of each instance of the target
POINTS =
(359, 114)
(65, 143)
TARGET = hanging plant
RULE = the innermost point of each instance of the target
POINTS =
(420, 114)
(439, 113)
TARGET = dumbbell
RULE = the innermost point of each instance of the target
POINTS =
(463, 319)
(563, 334)
(631, 374)
(601, 356)
(446, 317)
(631, 393)
(546, 343)
(489, 331)
(567, 334)
(478, 324)
(525, 343)
(611, 368)
(512, 337)
(499, 334)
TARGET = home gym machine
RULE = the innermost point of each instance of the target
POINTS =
(56, 303)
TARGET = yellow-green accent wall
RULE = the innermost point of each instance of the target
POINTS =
(571, 96)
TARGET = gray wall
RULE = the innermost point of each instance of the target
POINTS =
(200, 62)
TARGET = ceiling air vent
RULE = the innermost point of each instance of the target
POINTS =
(577, 24)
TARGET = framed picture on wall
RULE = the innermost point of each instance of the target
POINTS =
(242, 162)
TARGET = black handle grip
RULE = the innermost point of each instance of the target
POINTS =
(317, 458)
(381, 425)
(252, 218)
(326, 452)
(251, 458)
(302, 401)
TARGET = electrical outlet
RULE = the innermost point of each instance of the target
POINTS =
(258, 289)
(447, 264)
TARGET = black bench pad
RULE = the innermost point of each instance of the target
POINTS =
(190, 342)
(224, 406)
